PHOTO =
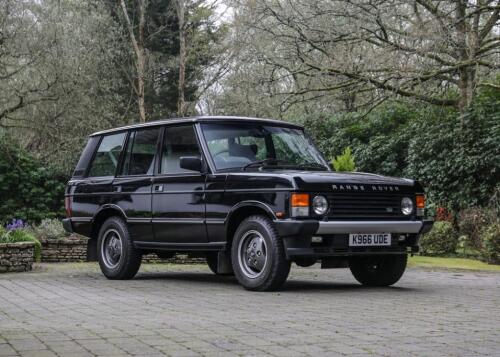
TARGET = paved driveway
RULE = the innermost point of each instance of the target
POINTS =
(72, 310)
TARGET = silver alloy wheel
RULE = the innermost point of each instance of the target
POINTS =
(111, 248)
(252, 254)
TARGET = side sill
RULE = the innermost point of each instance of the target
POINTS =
(214, 246)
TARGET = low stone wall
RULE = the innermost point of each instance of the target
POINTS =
(64, 250)
(16, 256)
(178, 259)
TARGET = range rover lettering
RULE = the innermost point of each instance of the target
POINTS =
(251, 195)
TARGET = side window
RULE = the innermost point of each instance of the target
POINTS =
(107, 156)
(178, 141)
(86, 156)
(140, 152)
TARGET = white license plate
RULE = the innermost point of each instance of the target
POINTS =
(369, 239)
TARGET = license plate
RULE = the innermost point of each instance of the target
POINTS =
(369, 239)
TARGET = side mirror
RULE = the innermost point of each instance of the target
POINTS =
(192, 163)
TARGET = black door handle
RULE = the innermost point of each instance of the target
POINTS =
(158, 188)
(117, 188)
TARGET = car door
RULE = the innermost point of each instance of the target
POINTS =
(179, 194)
(95, 189)
(133, 184)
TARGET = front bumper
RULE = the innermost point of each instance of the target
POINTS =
(312, 227)
(297, 236)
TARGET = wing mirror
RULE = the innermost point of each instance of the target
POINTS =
(192, 163)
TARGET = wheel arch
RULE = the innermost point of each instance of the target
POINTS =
(105, 212)
(241, 211)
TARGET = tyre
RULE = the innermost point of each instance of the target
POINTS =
(117, 256)
(212, 261)
(258, 255)
(380, 270)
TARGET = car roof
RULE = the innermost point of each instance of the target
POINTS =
(199, 119)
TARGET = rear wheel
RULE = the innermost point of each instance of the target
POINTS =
(380, 270)
(258, 255)
(117, 256)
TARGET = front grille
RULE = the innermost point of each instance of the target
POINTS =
(365, 206)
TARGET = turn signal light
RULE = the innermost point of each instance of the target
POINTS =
(299, 203)
(420, 201)
(300, 200)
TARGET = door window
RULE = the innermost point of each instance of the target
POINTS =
(178, 141)
(107, 156)
(140, 152)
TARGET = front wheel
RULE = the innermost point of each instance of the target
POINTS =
(379, 270)
(118, 258)
(258, 255)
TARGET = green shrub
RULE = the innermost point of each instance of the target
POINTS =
(454, 155)
(491, 244)
(344, 162)
(471, 223)
(49, 228)
(441, 240)
(21, 235)
(29, 189)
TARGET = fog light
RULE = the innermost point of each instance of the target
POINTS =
(317, 240)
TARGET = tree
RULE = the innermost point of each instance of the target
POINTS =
(57, 57)
(180, 46)
(24, 48)
(180, 8)
(140, 58)
(364, 51)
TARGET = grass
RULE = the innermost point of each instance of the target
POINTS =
(451, 263)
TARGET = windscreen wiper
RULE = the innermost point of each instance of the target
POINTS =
(262, 163)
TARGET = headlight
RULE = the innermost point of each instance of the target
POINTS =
(406, 206)
(320, 205)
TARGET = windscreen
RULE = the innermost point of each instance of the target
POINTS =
(236, 146)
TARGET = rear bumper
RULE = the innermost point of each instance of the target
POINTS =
(68, 227)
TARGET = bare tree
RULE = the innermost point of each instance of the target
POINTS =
(375, 48)
(24, 81)
(140, 57)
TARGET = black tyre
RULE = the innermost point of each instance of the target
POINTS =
(118, 258)
(258, 255)
(212, 261)
(380, 270)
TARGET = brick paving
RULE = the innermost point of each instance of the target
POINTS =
(72, 310)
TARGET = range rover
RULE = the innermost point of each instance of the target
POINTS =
(251, 195)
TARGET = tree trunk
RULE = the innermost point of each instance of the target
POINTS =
(140, 60)
(181, 102)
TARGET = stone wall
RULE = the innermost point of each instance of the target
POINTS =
(16, 256)
(178, 259)
(67, 249)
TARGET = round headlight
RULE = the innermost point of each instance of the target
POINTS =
(406, 206)
(320, 205)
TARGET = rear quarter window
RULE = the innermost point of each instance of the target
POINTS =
(107, 156)
(86, 156)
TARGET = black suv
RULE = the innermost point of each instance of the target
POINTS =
(251, 195)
